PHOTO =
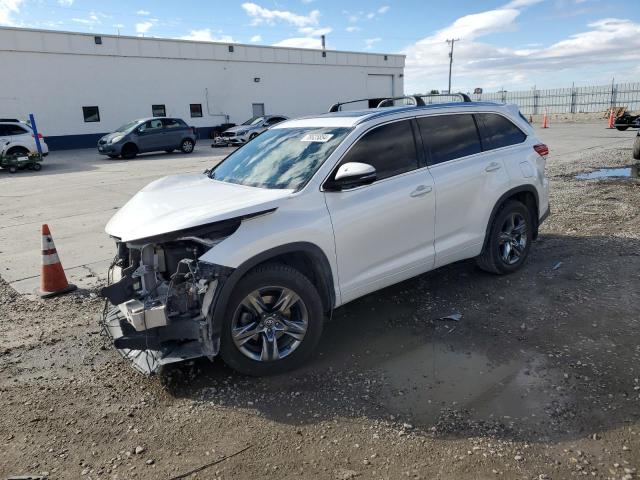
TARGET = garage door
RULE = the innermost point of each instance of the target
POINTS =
(379, 86)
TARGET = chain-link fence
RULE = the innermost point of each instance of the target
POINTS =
(569, 100)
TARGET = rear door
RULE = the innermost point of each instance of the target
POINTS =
(384, 231)
(151, 136)
(468, 182)
(4, 138)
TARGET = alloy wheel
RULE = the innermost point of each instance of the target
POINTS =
(512, 239)
(270, 323)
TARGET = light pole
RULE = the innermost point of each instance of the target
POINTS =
(451, 41)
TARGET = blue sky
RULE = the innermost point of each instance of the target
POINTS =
(512, 44)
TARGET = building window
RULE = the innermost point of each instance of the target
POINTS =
(91, 114)
(98, 40)
(158, 111)
(230, 48)
(196, 110)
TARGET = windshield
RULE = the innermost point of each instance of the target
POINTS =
(253, 121)
(127, 126)
(284, 158)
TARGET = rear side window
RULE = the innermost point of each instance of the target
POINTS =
(172, 123)
(390, 149)
(498, 131)
(447, 137)
(14, 130)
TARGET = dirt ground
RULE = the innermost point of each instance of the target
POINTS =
(538, 379)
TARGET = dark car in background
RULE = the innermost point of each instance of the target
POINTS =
(148, 135)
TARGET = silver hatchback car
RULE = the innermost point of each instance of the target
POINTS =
(248, 130)
(148, 135)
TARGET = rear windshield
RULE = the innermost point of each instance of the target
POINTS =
(283, 158)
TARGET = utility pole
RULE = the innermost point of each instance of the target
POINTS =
(451, 41)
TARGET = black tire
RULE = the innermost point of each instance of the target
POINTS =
(263, 277)
(622, 128)
(169, 150)
(187, 145)
(492, 259)
(13, 169)
(252, 136)
(37, 167)
(129, 151)
(113, 156)
(636, 148)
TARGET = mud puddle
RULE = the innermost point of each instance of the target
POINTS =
(625, 172)
(422, 382)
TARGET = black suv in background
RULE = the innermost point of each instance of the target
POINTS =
(148, 135)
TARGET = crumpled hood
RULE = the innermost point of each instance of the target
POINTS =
(184, 201)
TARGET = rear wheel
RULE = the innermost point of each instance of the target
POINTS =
(622, 128)
(273, 321)
(129, 151)
(13, 169)
(113, 156)
(636, 148)
(17, 152)
(187, 145)
(509, 241)
(37, 167)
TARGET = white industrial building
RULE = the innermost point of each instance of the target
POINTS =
(80, 86)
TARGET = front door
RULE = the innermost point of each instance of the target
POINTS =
(384, 231)
(151, 136)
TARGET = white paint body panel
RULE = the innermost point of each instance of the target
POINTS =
(372, 236)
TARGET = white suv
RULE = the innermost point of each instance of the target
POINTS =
(248, 259)
(17, 138)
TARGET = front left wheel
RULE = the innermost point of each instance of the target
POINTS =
(273, 321)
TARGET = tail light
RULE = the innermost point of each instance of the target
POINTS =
(39, 135)
(541, 149)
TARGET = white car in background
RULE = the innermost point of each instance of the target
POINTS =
(17, 138)
(248, 259)
(248, 130)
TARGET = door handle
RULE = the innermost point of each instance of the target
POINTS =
(421, 190)
(492, 167)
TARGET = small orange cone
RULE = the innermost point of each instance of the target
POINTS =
(545, 121)
(53, 281)
(611, 119)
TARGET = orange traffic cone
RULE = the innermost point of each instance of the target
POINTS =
(53, 281)
(611, 119)
(545, 121)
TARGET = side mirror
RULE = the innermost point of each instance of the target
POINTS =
(351, 175)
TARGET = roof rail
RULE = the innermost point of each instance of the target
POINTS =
(416, 100)
(465, 98)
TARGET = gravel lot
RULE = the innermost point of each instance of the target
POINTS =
(540, 378)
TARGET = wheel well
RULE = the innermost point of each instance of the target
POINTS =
(306, 264)
(525, 195)
(17, 149)
(129, 145)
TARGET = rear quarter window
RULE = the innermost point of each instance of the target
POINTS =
(498, 131)
(15, 130)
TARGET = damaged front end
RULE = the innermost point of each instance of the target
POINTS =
(161, 309)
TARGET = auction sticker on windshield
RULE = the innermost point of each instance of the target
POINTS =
(317, 137)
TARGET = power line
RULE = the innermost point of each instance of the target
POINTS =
(451, 41)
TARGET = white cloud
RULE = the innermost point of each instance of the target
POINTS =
(256, 38)
(383, 9)
(594, 53)
(205, 35)
(370, 42)
(65, 3)
(353, 28)
(7, 9)
(260, 15)
(300, 42)
(315, 32)
(143, 27)
(143, 13)
(521, 3)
